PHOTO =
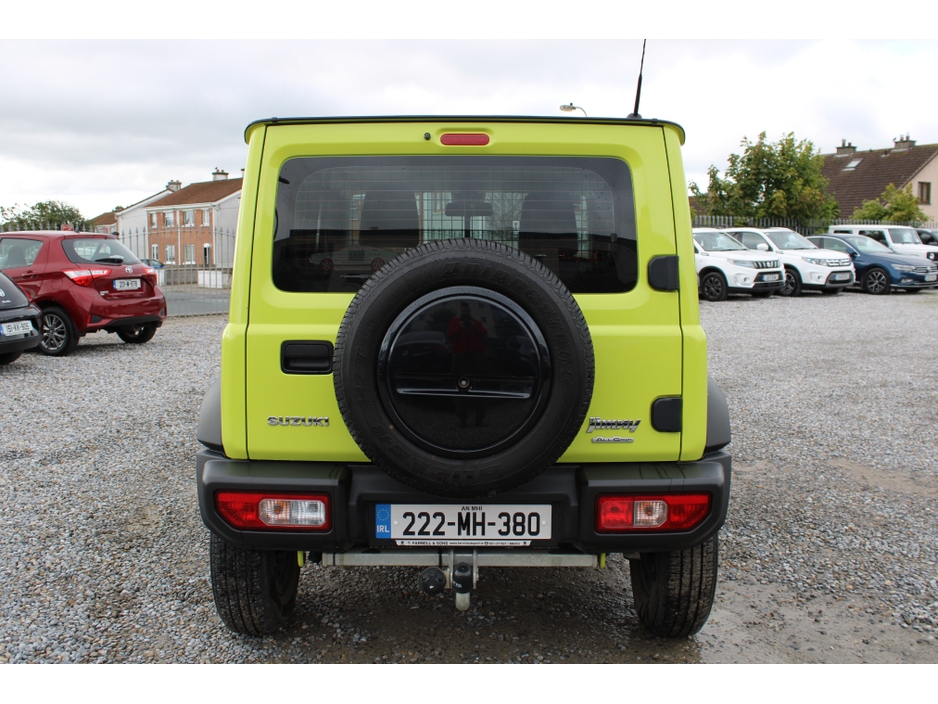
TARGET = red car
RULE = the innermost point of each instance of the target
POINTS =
(83, 282)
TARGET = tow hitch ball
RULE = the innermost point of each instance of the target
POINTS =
(433, 581)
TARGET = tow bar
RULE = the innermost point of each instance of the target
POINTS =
(458, 568)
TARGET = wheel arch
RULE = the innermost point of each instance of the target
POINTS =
(209, 430)
(719, 434)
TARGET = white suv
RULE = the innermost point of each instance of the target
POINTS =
(725, 266)
(807, 266)
(901, 240)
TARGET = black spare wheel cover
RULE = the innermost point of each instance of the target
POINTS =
(463, 368)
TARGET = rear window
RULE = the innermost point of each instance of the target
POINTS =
(97, 250)
(340, 219)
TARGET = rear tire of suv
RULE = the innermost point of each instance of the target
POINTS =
(255, 590)
(792, 285)
(59, 337)
(674, 591)
(713, 287)
(876, 282)
(137, 334)
(499, 451)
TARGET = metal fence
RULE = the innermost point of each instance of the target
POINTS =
(195, 262)
(195, 271)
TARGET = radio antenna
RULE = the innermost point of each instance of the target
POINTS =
(638, 90)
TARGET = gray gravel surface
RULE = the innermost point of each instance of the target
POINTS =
(828, 555)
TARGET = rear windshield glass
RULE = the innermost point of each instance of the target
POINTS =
(97, 250)
(339, 220)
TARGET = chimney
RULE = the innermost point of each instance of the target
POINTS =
(219, 175)
(173, 186)
(845, 148)
(903, 144)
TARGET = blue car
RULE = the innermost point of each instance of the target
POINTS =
(880, 269)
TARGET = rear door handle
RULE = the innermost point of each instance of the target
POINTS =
(306, 357)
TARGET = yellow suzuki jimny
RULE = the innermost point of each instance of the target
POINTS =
(459, 343)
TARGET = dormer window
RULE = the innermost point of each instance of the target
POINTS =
(852, 165)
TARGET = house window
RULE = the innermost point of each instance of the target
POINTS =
(170, 254)
(206, 218)
(188, 218)
(924, 192)
(169, 219)
(155, 252)
(852, 165)
(190, 254)
(153, 223)
(206, 254)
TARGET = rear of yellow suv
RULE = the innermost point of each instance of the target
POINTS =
(458, 343)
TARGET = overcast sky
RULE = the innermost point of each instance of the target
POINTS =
(101, 123)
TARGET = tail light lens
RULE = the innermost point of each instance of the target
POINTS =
(664, 512)
(263, 511)
(85, 277)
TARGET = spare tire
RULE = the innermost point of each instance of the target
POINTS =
(463, 368)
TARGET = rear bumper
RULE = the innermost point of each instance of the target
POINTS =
(355, 489)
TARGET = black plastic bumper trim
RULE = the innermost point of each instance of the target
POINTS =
(354, 489)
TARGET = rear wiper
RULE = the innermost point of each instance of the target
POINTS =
(116, 259)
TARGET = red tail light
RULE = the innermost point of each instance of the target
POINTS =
(85, 277)
(659, 512)
(476, 140)
(265, 511)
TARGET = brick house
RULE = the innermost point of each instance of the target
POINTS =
(195, 225)
(856, 176)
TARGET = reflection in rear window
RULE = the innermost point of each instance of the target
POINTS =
(97, 250)
(341, 219)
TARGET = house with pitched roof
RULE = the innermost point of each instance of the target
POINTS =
(856, 176)
(105, 223)
(132, 221)
(191, 226)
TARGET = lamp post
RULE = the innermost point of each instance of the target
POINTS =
(571, 107)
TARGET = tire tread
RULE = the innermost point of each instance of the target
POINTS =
(679, 601)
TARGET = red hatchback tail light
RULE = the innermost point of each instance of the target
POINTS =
(270, 511)
(657, 512)
(85, 277)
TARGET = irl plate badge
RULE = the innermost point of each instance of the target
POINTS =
(383, 521)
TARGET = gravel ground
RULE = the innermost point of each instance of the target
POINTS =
(828, 554)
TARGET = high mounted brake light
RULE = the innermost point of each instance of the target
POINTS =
(659, 512)
(268, 511)
(476, 140)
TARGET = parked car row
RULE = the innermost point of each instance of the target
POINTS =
(878, 259)
(72, 284)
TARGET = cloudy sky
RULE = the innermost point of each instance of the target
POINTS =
(105, 122)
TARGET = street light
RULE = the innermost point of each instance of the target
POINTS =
(571, 107)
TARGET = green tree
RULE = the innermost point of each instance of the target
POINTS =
(770, 180)
(898, 205)
(48, 213)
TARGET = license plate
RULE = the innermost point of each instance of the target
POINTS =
(22, 327)
(771, 277)
(931, 277)
(126, 284)
(463, 524)
(841, 277)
